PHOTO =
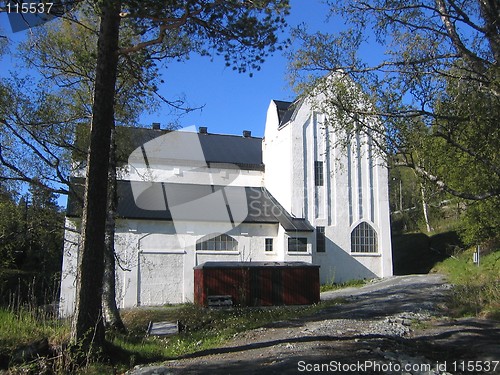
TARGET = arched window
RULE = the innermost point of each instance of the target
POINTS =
(222, 242)
(364, 239)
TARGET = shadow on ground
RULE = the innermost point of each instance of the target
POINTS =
(452, 346)
(450, 341)
(417, 253)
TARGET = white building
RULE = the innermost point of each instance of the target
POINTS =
(188, 198)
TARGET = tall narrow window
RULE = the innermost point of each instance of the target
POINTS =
(269, 244)
(364, 239)
(320, 240)
(318, 173)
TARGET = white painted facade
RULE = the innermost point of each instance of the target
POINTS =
(355, 190)
(156, 257)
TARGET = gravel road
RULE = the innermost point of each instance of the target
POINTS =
(390, 326)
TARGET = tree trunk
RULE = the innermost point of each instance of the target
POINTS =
(425, 209)
(87, 327)
(112, 317)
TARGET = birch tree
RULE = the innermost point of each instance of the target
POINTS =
(433, 84)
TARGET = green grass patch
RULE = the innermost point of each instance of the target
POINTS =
(24, 327)
(476, 290)
(23, 334)
(348, 284)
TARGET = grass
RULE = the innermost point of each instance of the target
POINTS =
(476, 290)
(24, 327)
(335, 286)
(203, 329)
(21, 331)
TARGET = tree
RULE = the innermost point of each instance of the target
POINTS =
(64, 52)
(11, 229)
(31, 238)
(243, 31)
(435, 90)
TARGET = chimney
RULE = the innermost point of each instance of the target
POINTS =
(156, 125)
(247, 133)
(203, 130)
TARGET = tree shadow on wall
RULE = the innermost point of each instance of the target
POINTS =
(346, 267)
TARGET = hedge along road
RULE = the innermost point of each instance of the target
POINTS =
(392, 326)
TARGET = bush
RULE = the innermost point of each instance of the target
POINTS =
(481, 220)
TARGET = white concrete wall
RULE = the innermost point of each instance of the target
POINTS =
(183, 174)
(155, 263)
(277, 158)
(355, 189)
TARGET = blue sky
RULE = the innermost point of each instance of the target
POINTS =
(232, 102)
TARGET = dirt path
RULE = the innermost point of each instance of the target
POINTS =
(393, 326)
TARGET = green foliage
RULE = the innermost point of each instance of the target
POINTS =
(65, 53)
(481, 221)
(30, 248)
(243, 33)
(476, 289)
(11, 231)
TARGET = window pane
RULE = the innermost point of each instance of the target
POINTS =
(364, 239)
(297, 244)
(218, 243)
(320, 239)
(318, 173)
(269, 244)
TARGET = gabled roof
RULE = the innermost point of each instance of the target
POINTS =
(261, 207)
(286, 110)
(246, 152)
(242, 151)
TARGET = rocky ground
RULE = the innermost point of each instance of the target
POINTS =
(393, 326)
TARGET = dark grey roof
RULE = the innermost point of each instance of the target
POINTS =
(286, 110)
(261, 206)
(254, 264)
(243, 151)
(246, 152)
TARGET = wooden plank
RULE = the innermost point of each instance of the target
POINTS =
(163, 328)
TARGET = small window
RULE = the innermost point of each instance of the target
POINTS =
(269, 244)
(318, 173)
(222, 242)
(297, 244)
(364, 239)
(320, 239)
